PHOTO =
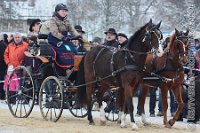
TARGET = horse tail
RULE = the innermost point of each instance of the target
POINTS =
(81, 93)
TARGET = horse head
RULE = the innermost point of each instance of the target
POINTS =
(183, 36)
(152, 36)
(178, 46)
(146, 38)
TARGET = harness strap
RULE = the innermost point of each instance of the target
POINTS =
(112, 68)
(96, 60)
(128, 68)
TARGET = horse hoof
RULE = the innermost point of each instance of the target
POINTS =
(171, 122)
(91, 123)
(147, 123)
(119, 121)
(168, 125)
(102, 123)
(123, 125)
(134, 127)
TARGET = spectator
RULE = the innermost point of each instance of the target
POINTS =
(197, 44)
(96, 41)
(197, 59)
(10, 38)
(3, 65)
(14, 53)
(111, 37)
(5, 39)
(166, 41)
(122, 39)
(152, 101)
(173, 104)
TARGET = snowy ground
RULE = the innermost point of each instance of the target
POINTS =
(8, 124)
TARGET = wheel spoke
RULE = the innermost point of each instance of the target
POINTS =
(27, 96)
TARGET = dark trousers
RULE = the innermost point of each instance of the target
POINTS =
(152, 100)
(2, 92)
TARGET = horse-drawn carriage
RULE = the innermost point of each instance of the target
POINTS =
(41, 81)
(123, 68)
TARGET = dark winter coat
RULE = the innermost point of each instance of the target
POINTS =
(124, 44)
(112, 43)
(2, 62)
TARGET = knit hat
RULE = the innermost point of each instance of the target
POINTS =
(96, 39)
(123, 35)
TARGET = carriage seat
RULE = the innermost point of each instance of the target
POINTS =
(42, 36)
(45, 49)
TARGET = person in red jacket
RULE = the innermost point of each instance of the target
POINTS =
(14, 53)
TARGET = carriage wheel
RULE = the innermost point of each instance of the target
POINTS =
(20, 92)
(51, 99)
(112, 116)
(112, 113)
(74, 108)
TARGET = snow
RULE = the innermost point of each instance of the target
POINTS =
(155, 121)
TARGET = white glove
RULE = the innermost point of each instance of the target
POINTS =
(10, 69)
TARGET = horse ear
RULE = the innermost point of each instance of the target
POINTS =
(150, 22)
(187, 32)
(176, 31)
(158, 25)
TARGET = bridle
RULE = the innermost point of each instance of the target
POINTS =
(148, 35)
(181, 39)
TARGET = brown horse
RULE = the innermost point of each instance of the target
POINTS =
(116, 67)
(169, 65)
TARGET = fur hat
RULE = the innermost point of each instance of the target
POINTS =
(79, 28)
(35, 21)
(111, 30)
(123, 35)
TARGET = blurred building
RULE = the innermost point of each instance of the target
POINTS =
(15, 13)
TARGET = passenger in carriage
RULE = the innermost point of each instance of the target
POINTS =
(85, 43)
(111, 37)
(79, 45)
(122, 39)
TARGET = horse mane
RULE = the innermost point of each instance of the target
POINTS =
(135, 36)
(172, 39)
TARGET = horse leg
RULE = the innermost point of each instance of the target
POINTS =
(123, 116)
(178, 95)
(164, 93)
(102, 111)
(131, 109)
(122, 112)
(142, 102)
(89, 103)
